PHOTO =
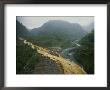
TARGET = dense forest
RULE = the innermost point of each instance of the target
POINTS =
(54, 37)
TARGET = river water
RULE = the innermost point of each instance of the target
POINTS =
(68, 53)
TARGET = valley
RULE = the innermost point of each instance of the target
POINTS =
(56, 47)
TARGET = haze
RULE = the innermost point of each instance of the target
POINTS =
(35, 21)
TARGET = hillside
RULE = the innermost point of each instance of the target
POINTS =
(57, 33)
(49, 64)
(85, 53)
(21, 30)
(29, 61)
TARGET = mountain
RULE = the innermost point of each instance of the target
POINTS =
(58, 26)
(57, 33)
(89, 27)
(21, 30)
(54, 33)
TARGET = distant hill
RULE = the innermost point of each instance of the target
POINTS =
(55, 32)
(57, 27)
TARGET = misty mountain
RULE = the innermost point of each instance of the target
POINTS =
(53, 33)
(21, 30)
(72, 30)
(89, 27)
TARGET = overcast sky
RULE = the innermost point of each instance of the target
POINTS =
(33, 21)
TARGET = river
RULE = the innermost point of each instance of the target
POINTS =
(68, 53)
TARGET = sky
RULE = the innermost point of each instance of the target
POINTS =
(36, 21)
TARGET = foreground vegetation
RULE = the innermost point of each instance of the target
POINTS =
(26, 58)
(48, 63)
(85, 53)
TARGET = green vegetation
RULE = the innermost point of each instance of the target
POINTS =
(26, 58)
(85, 53)
(21, 30)
(29, 61)
(51, 41)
